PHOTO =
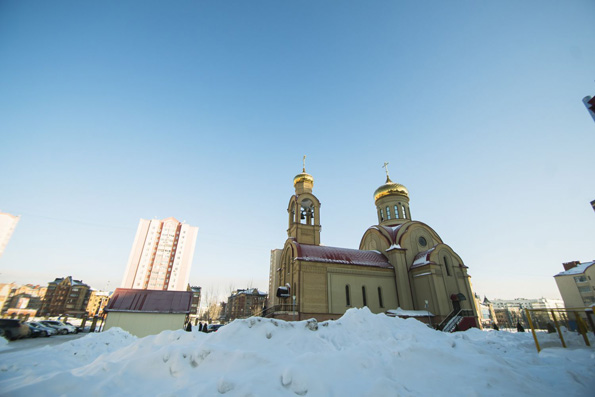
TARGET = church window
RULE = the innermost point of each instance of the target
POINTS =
(446, 266)
(381, 215)
(380, 297)
(396, 212)
(347, 297)
(364, 295)
(387, 212)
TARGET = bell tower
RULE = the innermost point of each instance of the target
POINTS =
(304, 210)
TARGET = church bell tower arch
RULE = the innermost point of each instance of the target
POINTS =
(304, 210)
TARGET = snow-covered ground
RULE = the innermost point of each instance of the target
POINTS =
(361, 354)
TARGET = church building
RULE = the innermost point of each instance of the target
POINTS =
(401, 266)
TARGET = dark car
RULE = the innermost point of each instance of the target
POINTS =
(39, 330)
(14, 329)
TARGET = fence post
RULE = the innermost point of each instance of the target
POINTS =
(582, 328)
(558, 328)
(532, 329)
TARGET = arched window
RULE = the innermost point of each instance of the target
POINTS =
(380, 297)
(381, 215)
(447, 266)
(364, 296)
(396, 212)
(387, 212)
(347, 297)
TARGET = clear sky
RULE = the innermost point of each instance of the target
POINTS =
(202, 110)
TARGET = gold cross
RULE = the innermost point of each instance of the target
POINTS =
(304, 160)
(385, 166)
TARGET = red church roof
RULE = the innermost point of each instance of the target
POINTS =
(320, 253)
(149, 301)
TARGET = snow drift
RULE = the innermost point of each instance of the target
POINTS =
(361, 354)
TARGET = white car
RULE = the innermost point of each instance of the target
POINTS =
(62, 328)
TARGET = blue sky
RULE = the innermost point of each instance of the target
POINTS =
(115, 111)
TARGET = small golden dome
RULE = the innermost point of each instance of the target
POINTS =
(303, 177)
(390, 188)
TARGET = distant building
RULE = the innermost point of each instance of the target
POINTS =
(21, 301)
(147, 312)
(509, 312)
(196, 295)
(97, 302)
(161, 255)
(66, 296)
(8, 223)
(244, 303)
(590, 105)
(275, 265)
(485, 311)
(577, 284)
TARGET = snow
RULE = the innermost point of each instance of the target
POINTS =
(361, 354)
(410, 313)
(578, 269)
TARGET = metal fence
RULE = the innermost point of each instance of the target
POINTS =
(563, 326)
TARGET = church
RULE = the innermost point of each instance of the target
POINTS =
(402, 266)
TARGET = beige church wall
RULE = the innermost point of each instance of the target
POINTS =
(374, 242)
(338, 278)
(423, 286)
(143, 324)
(313, 288)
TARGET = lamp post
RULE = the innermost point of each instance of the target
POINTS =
(428, 312)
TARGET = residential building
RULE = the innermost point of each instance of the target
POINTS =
(245, 303)
(195, 305)
(97, 302)
(66, 296)
(577, 284)
(509, 312)
(22, 301)
(589, 103)
(400, 263)
(147, 312)
(8, 223)
(275, 265)
(161, 255)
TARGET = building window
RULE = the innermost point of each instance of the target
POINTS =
(347, 297)
(396, 212)
(580, 279)
(381, 215)
(387, 212)
(446, 266)
(364, 295)
(380, 297)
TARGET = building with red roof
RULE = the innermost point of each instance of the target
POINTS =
(400, 264)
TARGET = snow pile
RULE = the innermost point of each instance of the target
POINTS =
(361, 354)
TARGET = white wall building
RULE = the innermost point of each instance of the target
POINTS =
(7, 224)
(161, 255)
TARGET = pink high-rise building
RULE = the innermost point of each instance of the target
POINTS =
(161, 255)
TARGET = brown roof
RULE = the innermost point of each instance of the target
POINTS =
(149, 301)
(319, 253)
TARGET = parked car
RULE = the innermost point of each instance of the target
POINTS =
(14, 329)
(78, 329)
(213, 327)
(62, 328)
(41, 330)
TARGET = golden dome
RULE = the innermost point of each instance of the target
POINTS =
(390, 188)
(303, 177)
